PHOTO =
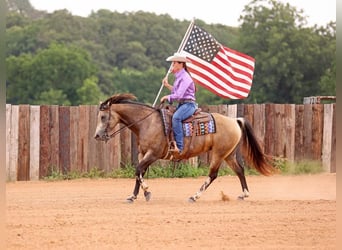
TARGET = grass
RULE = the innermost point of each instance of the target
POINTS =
(182, 171)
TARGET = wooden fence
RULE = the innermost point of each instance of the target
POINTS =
(42, 138)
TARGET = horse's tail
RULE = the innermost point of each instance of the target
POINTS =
(252, 151)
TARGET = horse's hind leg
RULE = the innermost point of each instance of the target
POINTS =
(214, 167)
(235, 162)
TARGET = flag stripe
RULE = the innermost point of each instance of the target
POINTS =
(235, 74)
(240, 63)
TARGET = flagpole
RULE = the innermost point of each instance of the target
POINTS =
(179, 49)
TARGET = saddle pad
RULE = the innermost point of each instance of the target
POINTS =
(199, 127)
(166, 117)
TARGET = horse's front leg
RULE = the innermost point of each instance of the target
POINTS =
(139, 180)
(134, 196)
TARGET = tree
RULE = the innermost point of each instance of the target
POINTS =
(328, 81)
(288, 54)
(90, 92)
(57, 68)
(52, 97)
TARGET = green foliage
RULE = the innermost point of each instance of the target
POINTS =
(182, 170)
(57, 70)
(303, 167)
(328, 80)
(58, 58)
(56, 175)
(53, 97)
(90, 93)
(290, 57)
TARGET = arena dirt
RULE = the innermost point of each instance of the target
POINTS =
(282, 212)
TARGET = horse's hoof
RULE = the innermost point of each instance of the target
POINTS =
(129, 200)
(241, 198)
(191, 200)
(147, 195)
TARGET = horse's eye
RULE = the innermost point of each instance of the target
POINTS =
(103, 118)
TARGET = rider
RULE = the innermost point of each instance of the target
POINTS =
(182, 91)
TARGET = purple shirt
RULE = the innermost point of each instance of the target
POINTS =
(183, 87)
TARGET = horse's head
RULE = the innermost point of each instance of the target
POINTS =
(106, 122)
(107, 118)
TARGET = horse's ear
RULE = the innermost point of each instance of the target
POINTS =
(104, 106)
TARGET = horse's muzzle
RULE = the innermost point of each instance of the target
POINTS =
(104, 137)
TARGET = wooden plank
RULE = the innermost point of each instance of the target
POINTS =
(317, 132)
(13, 171)
(240, 110)
(232, 110)
(8, 138)
(333, 142)
(213, 109)
(269, 129)
(248, 113)
(64, 139)
(54, 138)
(23, 173)
(327, 136)
(307, 131)
(290, 128)
(299, 133)
(278, 133)
(12, 113)
(34, 142)
(205, 108)
(83, 139)
(44, 139)
(259, 123)
(92, 144)
(223, 109)
(74, 119)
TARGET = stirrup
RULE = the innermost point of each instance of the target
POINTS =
(173, 146)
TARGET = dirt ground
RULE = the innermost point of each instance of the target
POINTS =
(282, 212)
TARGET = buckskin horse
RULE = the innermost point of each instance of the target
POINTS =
(231, 137)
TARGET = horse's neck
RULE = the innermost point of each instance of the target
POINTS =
(135, 117)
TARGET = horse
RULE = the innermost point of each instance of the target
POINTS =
(232, 137)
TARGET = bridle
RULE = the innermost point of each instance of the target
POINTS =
(106, 137)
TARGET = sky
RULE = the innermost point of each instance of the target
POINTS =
(211, 12)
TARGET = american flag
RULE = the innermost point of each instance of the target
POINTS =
(223, 71)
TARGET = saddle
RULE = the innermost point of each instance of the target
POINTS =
(200, 123)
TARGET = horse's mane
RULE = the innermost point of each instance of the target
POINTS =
(119, 98)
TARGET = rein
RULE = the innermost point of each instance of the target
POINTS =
(108, 137)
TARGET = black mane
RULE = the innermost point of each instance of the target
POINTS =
(120, 98)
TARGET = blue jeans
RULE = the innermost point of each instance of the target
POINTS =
(183, 112)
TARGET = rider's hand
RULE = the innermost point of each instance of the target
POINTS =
(165, 81)
(164, 98)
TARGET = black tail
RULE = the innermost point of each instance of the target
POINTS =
(252, 150)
